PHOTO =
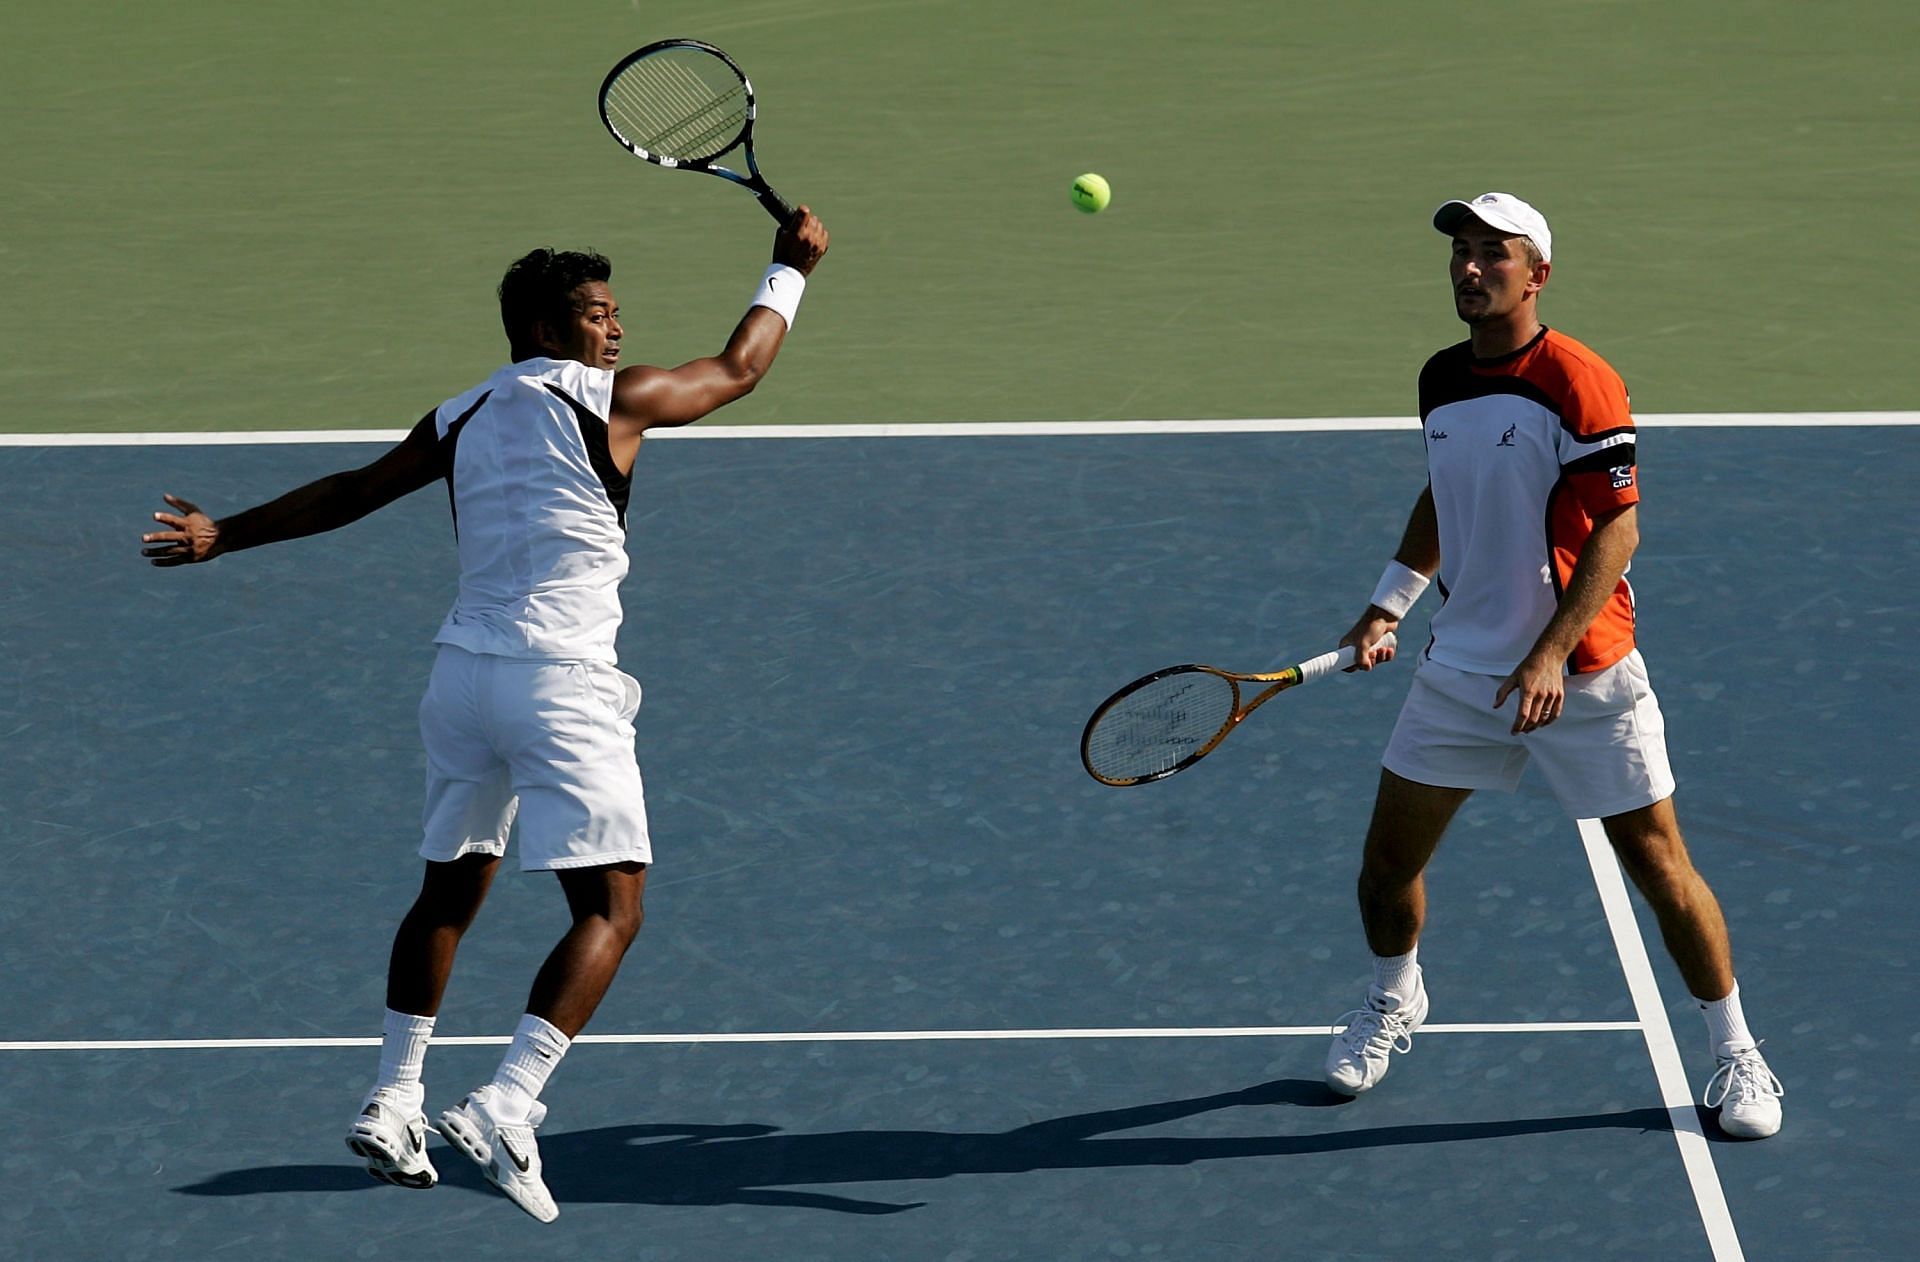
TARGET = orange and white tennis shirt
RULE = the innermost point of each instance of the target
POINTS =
(1524, 452)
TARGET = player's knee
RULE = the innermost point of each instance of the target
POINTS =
(1387, 862)
(1379, 890)
(446, 909)
(451, 893)
(622, 916)
(626, 922)
(1658, 865)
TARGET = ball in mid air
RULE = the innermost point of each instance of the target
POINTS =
(1091, 194)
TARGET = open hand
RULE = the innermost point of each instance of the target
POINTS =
(191, 535)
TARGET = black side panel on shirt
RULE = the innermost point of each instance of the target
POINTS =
(593, 432)
(447, 445)
(1558, 489)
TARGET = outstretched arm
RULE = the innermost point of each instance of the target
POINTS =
(1419, 554)
(327, 504)
(644, 397)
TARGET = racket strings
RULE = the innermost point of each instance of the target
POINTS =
(669, 109)
(1159, 725)
(664, 117)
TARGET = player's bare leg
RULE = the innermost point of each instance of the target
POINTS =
(1408, 821)
(494, 1125)
(390, 1131)
(606, 906)
(429, 935)
(1651, 849)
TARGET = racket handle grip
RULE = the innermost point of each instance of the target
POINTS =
(1340, 659)
(779, 207)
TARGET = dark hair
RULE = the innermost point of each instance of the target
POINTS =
(539, 287)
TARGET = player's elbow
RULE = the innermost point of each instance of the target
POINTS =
(747, 374)
(751, 369)
(1622, 529)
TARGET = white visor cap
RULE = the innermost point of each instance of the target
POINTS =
(1499, 210)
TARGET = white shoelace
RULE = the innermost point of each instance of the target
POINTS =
(1741, 1079)
(1377, 1032)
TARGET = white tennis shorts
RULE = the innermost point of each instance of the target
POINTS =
(1605, 754)
(550, 741)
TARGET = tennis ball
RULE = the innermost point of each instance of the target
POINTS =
(1091, 194)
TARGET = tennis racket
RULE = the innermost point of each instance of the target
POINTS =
(1169, 720)
(684, 104)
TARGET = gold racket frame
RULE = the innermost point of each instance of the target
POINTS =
(1278, 681)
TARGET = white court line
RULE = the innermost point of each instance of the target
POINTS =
(828, 1036)
(1668, 1069)
(1695, 1153)
(978, 429)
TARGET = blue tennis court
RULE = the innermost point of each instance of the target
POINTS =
(912, 985)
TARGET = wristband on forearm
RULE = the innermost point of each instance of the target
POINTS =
(1399, 587)
(780, 289)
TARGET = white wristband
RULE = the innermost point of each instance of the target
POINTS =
(780, 289)
(1399, 587)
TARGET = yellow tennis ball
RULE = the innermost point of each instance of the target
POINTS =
(1091, 194)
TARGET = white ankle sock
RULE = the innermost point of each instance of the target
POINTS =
(1398, 974)
(403, 1051)
(1726, 1024)
(536, 1049)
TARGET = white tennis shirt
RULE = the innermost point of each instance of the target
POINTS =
(540, 513)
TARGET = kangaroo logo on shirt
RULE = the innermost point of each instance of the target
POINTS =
(1506, 439)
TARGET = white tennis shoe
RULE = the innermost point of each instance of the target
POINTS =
(504, 1151)
(1747, 1095)
(1361, 1053)
(391, 1136)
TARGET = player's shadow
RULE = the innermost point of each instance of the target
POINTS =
(754, 1164)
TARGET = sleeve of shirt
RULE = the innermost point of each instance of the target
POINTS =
(1596, 443)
